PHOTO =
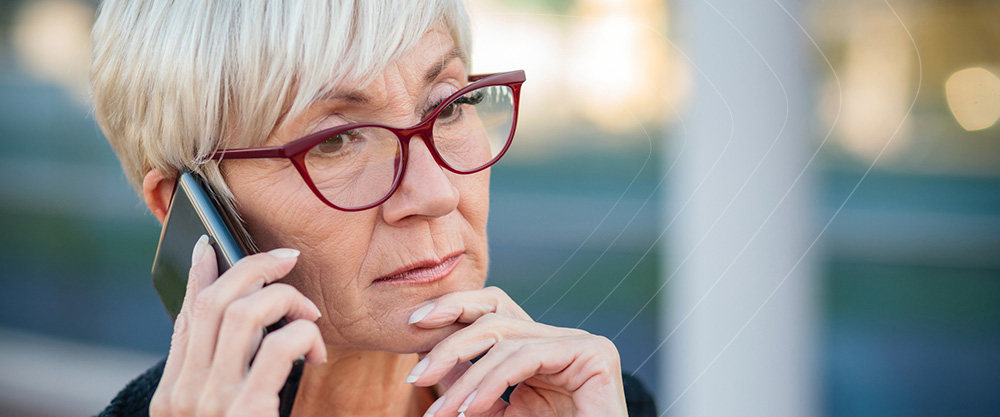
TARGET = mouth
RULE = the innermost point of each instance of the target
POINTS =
(423, 272)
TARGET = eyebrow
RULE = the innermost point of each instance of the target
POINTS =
(434, 71)
(359, 97)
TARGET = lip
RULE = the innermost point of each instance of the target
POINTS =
(422, 272)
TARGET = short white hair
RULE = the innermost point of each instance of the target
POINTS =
(173, 81)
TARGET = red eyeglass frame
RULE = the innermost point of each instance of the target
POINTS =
(295, 151)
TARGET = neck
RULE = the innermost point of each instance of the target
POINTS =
(365, 383)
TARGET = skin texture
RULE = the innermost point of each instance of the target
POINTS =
(362, 336)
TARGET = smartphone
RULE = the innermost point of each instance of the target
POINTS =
(195, 211)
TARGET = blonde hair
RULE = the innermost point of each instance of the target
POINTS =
(174, 80)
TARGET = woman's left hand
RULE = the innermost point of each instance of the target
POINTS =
(558, 371)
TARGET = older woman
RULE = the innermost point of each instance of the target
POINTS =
(355, 146)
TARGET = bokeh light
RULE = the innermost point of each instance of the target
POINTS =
(974, 98)
(51, 38)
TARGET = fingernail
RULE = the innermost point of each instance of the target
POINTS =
(421, 313)
(417, 371)
(465, 405)
(434, 407)
(200, 248)
(284, 253)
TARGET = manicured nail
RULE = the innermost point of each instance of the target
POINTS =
(465, 405)
(434, 407)
(417, 371)
(421, 313)
(200, 248)
(284, 253)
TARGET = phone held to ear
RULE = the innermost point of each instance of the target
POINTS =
(195, 211)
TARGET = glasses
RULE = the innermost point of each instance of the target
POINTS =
(358, 166)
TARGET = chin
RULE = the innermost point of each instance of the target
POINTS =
(387, 328)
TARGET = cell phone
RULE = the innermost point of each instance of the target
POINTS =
(195, 211)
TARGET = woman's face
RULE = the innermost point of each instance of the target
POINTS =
(354, 265)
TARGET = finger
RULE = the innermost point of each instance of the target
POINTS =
(462, 391)
(466, 307)
(586, 364)
(247, 274)
(474, 340)
(278, 351)
(243, 324)
(202, 273)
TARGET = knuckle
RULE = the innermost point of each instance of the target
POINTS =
(282, 289)
(311, 327)
(258, 265)
(310, 332)
(208, 406)
(605, 347)
(181, 326)
(277, 344)
(181, 404)
(610, 347)
(490, 319)
(234, 412)
(159, 406)
(257, 405)
(506, 345)
(205, 303)
(604, 342)
(284, 292)
(240, 311)
(496, 293)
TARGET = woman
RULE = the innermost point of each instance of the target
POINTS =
(370, 219)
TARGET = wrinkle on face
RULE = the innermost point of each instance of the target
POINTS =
(343, 252)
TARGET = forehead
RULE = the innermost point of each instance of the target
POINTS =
(432, 46)
(422, 63)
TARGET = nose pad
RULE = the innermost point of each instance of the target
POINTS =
(426, 189)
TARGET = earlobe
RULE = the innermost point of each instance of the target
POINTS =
(158, 189)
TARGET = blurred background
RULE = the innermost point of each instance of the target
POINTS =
(790, 207)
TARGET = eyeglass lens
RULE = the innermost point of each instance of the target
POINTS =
(358, 167)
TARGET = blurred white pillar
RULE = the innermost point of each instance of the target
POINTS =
(741, 307)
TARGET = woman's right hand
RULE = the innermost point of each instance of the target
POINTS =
(220, 327)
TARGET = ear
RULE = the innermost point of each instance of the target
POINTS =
(158, 189)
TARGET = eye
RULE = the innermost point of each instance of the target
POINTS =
(335, 144)
(454, 110)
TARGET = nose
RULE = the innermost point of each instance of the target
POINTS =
(426, 190)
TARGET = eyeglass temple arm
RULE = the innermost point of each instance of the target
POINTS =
(245, 153)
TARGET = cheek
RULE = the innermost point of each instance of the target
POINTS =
(328, 270)
(333, 244)
(336, 245)
(380, 321)
(474, 200)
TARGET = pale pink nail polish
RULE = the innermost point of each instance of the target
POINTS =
(421, 313)
(200, 248)
(417, 371)
(284, 253)
(434, 407)
(468, 400)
